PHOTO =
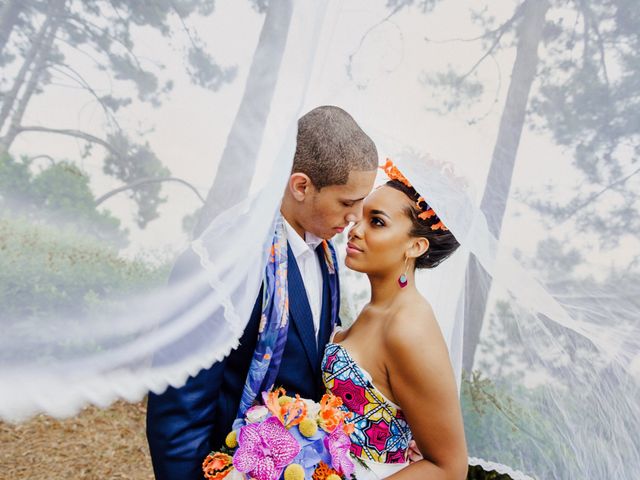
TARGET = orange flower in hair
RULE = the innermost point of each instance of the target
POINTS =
(439, 226)
(393, 173)
(426, 212)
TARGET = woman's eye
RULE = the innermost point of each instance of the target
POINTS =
(377, 222)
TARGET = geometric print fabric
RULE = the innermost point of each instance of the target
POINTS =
(381, 432)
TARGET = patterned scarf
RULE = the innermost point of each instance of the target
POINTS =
(274, 318)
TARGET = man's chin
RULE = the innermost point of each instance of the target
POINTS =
(327, 234)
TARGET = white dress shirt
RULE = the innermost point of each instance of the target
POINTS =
(304, 250)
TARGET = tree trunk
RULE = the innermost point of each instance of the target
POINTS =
(496, 194)
(8, 18)
(241, 151)
(40, 65)
(11, 96)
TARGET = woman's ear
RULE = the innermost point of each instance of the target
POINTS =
(418, 247)
(299, 185)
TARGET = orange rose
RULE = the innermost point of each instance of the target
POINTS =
(217, 465)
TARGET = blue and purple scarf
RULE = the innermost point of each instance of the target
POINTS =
(274, 319)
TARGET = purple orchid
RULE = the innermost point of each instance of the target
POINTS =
(265, 449)
(338, 444)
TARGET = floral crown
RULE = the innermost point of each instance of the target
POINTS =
(426, 212)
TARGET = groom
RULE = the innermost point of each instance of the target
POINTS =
(334, 168)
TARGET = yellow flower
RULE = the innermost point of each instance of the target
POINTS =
(333, 476)
(232, 439)
(308, 427)
(284, 400)
(294, 472)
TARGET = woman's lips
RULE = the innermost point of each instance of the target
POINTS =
(351, 249)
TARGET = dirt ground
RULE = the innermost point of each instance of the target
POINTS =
(96, 444)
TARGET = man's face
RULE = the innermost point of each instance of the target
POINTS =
(330, 210)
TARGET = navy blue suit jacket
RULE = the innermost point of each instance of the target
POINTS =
(185, 424)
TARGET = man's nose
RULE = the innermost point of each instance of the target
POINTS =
(354, 215)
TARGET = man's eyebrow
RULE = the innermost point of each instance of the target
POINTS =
(380, 212)
(355, 200)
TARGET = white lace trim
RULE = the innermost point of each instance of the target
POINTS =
(498, 467)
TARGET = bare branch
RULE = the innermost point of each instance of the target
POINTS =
(498, 32)
(620, 181)
(184, 25)
(79, 50)
(488, 34)
(79, 79)
(366, 34)
(73, 133)
(85, 23)
(489, 52)
(496, 97)
(48, 157)
(145, 181)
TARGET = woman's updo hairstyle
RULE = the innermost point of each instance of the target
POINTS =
(442, 243)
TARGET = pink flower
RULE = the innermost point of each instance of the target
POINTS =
(265, 449)
(257, 414)
(338, 444)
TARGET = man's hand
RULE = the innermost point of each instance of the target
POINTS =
(414, 453)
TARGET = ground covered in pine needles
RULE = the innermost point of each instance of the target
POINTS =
(96, 444)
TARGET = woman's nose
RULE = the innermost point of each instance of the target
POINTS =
(356, 230)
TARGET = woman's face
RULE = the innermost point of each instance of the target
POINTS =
(379, 242)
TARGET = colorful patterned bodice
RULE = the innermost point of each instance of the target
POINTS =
(381, 433)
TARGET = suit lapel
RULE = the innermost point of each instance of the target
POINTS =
(300, 310)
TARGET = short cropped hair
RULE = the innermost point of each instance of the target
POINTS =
(330, 144)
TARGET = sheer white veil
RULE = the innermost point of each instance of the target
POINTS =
(554, 386)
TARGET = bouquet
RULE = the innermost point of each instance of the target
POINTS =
(289, 438)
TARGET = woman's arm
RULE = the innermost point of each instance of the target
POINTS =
(423, 383)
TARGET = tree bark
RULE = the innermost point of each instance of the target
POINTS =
(243, 143)
(496, 194)
(8, 18)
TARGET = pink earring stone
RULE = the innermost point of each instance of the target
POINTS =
(402, 281)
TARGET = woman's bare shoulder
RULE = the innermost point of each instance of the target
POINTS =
(413, 326)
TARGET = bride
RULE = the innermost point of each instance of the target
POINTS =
(391, 367)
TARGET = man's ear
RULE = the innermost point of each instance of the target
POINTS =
(418, 247)
(299, 185)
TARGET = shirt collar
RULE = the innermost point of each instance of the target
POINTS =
(298, 245)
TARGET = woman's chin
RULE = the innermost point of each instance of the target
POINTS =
(353, 265)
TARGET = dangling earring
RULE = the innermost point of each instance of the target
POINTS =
(402, 281)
